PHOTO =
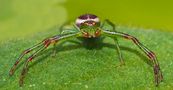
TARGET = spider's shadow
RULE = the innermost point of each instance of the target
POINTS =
(90, 44)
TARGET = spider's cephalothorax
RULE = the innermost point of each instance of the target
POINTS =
(89, 25)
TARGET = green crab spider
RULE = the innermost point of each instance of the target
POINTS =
(88, 26)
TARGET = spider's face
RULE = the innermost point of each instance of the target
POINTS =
(88, 23)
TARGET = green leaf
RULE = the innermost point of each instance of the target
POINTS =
(76, 67)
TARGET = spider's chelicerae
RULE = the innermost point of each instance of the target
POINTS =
(88, 26)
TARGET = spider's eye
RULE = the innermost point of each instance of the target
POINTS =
(97, 33)
(85, 34)
(94, 23)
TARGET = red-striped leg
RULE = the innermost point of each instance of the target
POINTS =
(12, 70)
(40, 47)
(156, 68)
(25, 68)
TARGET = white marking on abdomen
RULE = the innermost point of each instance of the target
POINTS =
(79, 21)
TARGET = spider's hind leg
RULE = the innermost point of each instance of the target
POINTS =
(64, 29)
(119, 52)
(115, 40)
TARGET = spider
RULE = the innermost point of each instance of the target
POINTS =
(88, 26)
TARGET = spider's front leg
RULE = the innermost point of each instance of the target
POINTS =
(156, 68)
(12, 70)
(40, 47)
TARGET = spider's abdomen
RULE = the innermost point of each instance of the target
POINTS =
(87, 19)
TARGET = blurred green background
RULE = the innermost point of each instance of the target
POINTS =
(19, 18)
